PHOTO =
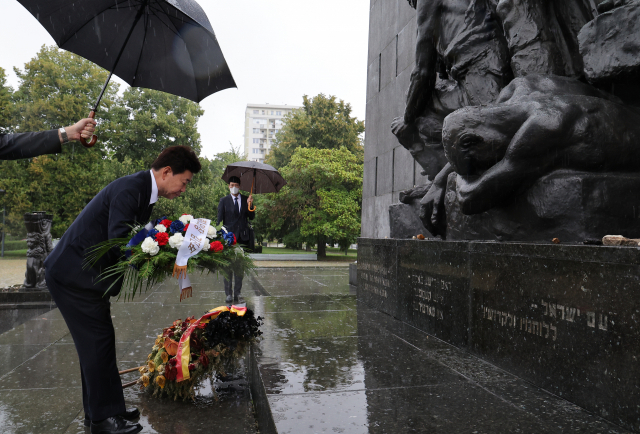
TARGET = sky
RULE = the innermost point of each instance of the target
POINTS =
(277, 50)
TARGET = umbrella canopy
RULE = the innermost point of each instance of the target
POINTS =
(267, 178)
(164, 45)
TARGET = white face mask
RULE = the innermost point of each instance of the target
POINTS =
(234, 190)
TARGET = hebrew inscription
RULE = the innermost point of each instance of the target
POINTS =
(545, 318)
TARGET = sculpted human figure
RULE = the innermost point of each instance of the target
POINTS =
(543, 35)
(501, 149)
(463, 42)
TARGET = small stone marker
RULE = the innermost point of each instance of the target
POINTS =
(619, 240)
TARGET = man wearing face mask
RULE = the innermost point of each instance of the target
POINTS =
(233, 211)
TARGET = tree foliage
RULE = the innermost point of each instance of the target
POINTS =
(322, 198)
(322, 123)
(57, 88)
(5, 103)
(319, 152)
(144, 122)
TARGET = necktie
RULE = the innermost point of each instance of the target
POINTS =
(236, 212)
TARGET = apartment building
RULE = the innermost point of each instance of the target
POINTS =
(261, 123)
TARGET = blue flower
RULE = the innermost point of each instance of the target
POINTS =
(229, 238)
(157, 221)
(152, 233)
(176, 226)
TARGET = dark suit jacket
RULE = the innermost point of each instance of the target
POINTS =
(238, 224)
(121, 204)
(29, 145)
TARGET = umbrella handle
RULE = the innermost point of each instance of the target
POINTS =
(254, 180)
(94, 139)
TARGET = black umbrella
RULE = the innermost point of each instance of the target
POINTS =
(167, 45)
(262, 177)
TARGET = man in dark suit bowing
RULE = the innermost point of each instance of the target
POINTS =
(83, 300)
(29, 145)
(233, 211)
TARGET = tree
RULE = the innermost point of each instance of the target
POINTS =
(55, 89)
(322, 198)
(5, 103)
(146, 121)
(322, 123)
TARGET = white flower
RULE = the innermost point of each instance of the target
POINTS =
(211, 232)
(161, 228)
(150, 246)
(186, 218)
(207, 244)
(175, 241)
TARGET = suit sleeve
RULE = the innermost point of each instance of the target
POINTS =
(221, 211)
(123, 211)
(29, 145)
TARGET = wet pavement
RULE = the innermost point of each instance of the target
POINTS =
(332, 365)
(328, 365)
(40, 388)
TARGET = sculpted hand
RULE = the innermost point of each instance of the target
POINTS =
(432, 211)
(83, 128)
(398, 126)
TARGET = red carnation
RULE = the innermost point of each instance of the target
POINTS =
(173, 361)
(166, 223)
(184, 214)
(216, 247)
(192, 366)
(171, 373)
(162, 238)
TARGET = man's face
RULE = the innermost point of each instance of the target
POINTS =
(233, 186)
(173, 185)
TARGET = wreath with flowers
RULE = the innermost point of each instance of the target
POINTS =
(190, 351)
(149, 254)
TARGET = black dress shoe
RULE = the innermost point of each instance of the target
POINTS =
(130, 413)
(115, 425)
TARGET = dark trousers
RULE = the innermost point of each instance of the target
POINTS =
(237, 282)
(88, 317)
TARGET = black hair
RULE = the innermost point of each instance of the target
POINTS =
(179, 158)
(234, 179)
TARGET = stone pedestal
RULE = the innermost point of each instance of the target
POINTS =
(564, 318)
(568, 205)
(40, 245)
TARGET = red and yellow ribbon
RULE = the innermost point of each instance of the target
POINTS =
(183, 356)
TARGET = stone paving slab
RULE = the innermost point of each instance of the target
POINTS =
(40, 388)
(330, 364)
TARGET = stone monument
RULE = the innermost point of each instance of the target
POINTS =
(566, 71)
(523, 119)
(40, 245)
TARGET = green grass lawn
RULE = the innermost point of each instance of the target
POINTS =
(15, 253)
(333, 253)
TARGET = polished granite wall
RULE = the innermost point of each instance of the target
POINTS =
(562, 317)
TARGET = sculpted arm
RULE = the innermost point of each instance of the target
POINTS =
(423, 77)
(533, 152)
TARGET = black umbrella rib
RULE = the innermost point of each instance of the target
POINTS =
(144, 39)
(160, 17)
(86, 23)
